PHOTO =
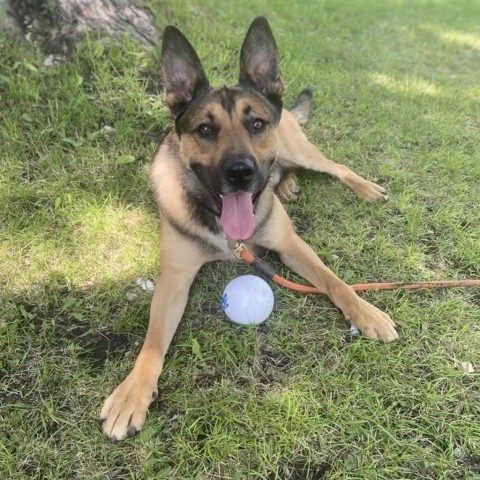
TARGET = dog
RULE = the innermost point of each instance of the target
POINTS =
(217, 177)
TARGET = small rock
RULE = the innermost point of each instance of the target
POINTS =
(458, 454)
(131, 297)
(145, 284)
(176, 418)
(467, 367)
(107, 129)
(49, 61)
(354, 330)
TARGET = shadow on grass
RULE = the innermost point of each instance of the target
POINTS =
(65, 347)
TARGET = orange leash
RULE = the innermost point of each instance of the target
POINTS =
(241, 252)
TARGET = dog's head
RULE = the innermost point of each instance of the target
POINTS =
(228, 136)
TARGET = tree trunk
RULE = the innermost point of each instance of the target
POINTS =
(58, 24)
(7, 20)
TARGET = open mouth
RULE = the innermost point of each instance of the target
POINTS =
(237, 216)
(236, 211)
(217, 198)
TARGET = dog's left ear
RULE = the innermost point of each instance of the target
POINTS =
(260, 62)
(183, 74)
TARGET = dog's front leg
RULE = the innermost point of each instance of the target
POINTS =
(124, 412)
(279, 235)
(297, 152)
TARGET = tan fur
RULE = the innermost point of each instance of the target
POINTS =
(297, 152)
(125, 410)
(232, 138)
(187, 243)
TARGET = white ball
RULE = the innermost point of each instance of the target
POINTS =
(247, 300)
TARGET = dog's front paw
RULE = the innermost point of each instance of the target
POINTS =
(124, 411)
(372, 322)
(288, 188)
(370, 191)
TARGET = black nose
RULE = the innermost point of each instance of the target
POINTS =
(239, 171)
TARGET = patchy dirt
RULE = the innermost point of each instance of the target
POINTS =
(205, 377)
(105, 345)
(300, 470)
(471, 463)
(63, 324)
(270, 366)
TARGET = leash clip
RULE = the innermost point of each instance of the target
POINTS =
(238, 250)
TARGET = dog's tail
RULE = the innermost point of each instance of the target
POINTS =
(303, 106)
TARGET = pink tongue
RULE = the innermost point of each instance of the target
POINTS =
(237, 220)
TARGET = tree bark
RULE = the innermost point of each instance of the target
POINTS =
(7, 20)
(59, 24)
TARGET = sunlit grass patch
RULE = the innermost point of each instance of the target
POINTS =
(409, 86)
(299, 397)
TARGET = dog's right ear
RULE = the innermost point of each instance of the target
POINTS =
(183, 74)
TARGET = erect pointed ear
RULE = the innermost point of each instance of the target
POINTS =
(183, 74)
(259, 60)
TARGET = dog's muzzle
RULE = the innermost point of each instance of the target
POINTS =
(238, 171)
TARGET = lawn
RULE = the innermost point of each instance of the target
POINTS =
(397, 98)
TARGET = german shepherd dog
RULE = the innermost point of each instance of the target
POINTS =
(217, 178)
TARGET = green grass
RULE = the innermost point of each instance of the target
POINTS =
(397, 99)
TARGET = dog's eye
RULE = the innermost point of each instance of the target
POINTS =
(205, 130)
(257, 125)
